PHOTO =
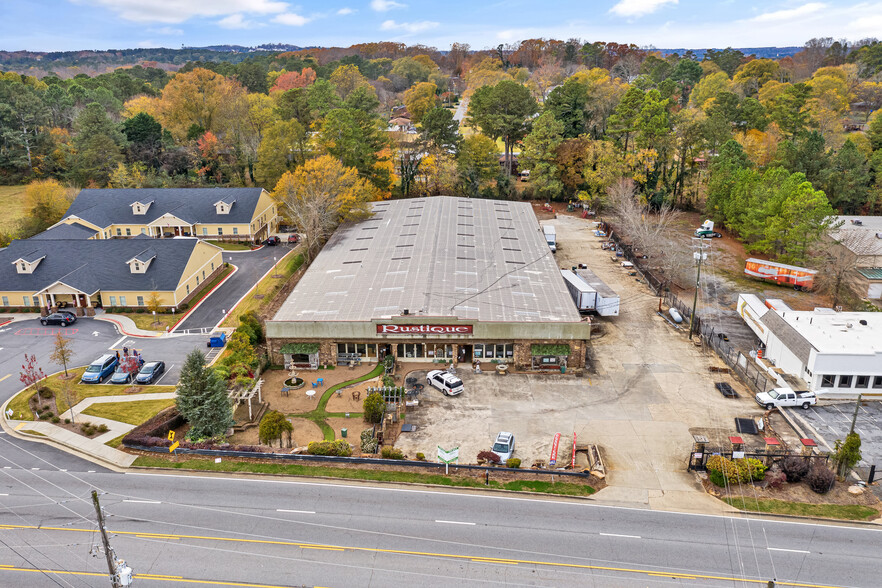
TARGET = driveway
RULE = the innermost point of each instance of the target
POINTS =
(252, 265)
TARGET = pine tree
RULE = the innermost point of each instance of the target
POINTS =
(202, 399)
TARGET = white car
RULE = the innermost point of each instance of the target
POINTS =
(449, 384)
(504, 446)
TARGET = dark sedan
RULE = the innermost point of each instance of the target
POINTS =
(59, 318)
(150, 372)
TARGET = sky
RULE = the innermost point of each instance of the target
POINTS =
(64, 25)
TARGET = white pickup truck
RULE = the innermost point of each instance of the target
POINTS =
(785, 397)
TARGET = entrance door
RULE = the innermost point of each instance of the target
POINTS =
(384, 349)
(875, 291)
(465, 353)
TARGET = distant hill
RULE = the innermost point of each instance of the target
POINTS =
(760, 52)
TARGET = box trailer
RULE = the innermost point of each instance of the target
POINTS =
(607, 301)
(790, 275)
(589, 293)
(550, 237)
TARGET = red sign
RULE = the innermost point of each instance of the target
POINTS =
(424, 329)
(573, 464)
(554, 446)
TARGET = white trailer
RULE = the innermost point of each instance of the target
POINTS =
(550, 237)
(590, 294)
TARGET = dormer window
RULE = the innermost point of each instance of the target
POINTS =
(140, 208)
(27, 265)
(142, 261)
(223, 207)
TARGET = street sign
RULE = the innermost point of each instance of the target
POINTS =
(171, 435)
(554, 445)
(448, 457)
(174, 446)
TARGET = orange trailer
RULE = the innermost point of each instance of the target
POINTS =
(789, 275)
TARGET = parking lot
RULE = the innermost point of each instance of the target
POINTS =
(647, 391)
(831, 422)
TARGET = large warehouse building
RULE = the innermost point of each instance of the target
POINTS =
(434, 278)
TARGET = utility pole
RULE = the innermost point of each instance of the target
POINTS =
(120, 573)
(698, 243)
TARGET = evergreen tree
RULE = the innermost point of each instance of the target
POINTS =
(539, 156)
(731, 160)
(623, 121)
(98, 145)
(503, 111)
(847, 180)
(202, 399)
(440, 129)
(567, 103)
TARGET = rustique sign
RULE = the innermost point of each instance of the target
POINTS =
(425, 329)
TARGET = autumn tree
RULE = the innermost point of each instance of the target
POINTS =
(503, 112)
(478, 162)
(346, 79)
(31, 373)
(62, 351)
(358, 140)
(321, 194)
(419, 100)
(204, 99)
(292, 79)
(45, 202)
(538, 155)
(284, 146)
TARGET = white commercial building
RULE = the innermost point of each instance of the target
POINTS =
(834, 353)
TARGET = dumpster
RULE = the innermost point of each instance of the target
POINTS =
(344, 432)
(217, 339)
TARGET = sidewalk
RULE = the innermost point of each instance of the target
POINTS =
(116, 428)
(91, 449)
(127, 326)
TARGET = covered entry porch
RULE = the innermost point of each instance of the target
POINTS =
(61, 296)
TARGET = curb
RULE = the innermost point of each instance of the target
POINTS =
(204, 298)
(120, 328)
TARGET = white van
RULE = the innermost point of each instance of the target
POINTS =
(449, 384)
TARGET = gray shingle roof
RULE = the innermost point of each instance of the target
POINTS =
(66, 231)
(144, 256)
(798, 345)
(92, 265)
(193, 205)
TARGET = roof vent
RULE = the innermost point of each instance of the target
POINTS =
(405, 312)
(863, 322)
(856, 221)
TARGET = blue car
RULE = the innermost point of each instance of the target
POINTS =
(99, 369)
(150, 372)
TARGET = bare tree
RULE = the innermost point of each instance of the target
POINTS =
(840, 256)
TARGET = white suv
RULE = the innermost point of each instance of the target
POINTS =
(504, 446)
(449, 384)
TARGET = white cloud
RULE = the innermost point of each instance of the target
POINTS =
(177, 11)
(167, 31)
(636, 8)
(146, 44)
(291, 19)
(236, 21)
(790, 14)
(386, 5)
(408, 27)
(345, 11)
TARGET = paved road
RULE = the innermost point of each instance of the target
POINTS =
(274, 532)
(461, 111)
(252, 265)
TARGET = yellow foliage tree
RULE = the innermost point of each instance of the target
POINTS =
(202, 98)
(760, 146)
(321, 194)
(707, 89)
(770, 91)
(420, 99)
(347, 79)
(146, 104)
(486, 73)
(45, 201)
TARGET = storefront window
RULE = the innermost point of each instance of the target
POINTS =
(439, 351)
(362, 349)
(493, 351)
(406, 350)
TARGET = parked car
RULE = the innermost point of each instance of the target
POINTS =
(504, 446)
(59, 318)
(99, 369)
(785, 397)
(293, 239)
(272, 241)
(121, 376)
(150, 372)
(449, 384)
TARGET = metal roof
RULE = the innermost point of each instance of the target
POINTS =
(871, 273)
(793, 339)
(474, 259)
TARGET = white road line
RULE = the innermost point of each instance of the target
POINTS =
(144, 501)
(787, 550)
(164, 374)
(118, 341)
(35, 469)
(62, 470)
(4, 494)
(297, 511)
(454, 523)
(90, 472)
(617, 535)
(7, 467)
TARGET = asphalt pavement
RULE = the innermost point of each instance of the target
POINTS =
(252, 265)
(183, 529)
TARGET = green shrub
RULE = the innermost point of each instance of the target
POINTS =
(388, 381)
(513, 462)
(139, 310)
(373, 407)
(421, 456)
(102, 428)
(820, 479)
(46, 393)
(717, 478)
(391, 453)
(56, 420)
(66, 421)
(339, 448)
(184, 305)
(735, 471)
(795, 468)
(368, 443)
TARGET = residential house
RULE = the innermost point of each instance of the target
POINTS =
(862, 236)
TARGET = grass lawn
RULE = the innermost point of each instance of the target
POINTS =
(79, 391)
(133, 413)
(227, 246)
(145, 320)
(12, 205)
(564, 488)
(847, 512)
(116, 442)
(267, 288)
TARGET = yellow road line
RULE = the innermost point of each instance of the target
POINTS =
(19, 426)
(430, 554)
(4, 377)
(157, 578)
